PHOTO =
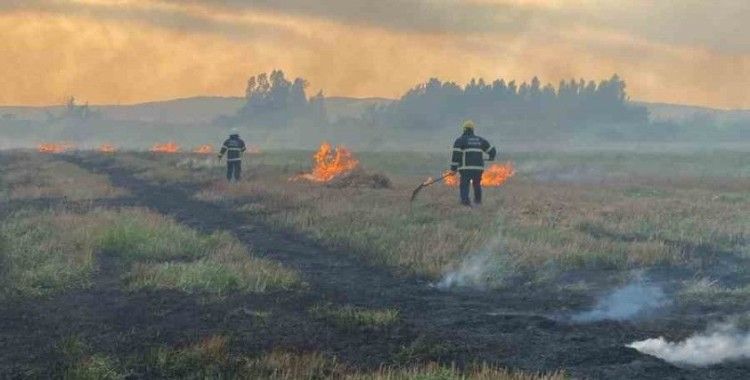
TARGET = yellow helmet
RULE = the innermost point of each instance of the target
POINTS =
(468, 124)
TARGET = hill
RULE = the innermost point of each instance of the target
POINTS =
(204, 109)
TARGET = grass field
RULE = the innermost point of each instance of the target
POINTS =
(34, 176)
(574, 223)
(559, 213)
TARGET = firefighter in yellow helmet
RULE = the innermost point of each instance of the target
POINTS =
(468, 161)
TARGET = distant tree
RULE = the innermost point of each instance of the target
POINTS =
(273, 99)
(77, 112)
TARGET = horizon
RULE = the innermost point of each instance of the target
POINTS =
(124, 52)
(167, 100)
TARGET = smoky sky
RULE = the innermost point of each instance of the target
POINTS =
(111, 51)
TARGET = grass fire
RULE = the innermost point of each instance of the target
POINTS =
(107, 148)
(226, 189)
(495, 175)
(329, 163)
(54, 147)
(204, 149)
(169, 147)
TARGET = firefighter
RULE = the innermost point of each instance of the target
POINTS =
(234, 147)
(468, 160)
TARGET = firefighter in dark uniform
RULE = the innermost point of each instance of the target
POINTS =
(233, 147)
(468, 160)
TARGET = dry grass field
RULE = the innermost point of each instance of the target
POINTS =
(154, 262)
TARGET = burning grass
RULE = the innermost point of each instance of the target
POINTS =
(107, 148)
(168, 147)
(55, 251)
(329, 163)
(30, 176)
(204, 149)
(495, 175)
(55, 148)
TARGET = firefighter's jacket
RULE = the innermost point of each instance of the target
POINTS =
(233, 147)
(468, 152)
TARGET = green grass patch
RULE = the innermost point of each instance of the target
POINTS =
(135, 235)
(46, 253)
(207, 275)
(351, 317)
(206, 359)
(55, 251)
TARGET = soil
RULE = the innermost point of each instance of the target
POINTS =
(517, 329)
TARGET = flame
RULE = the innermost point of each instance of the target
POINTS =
(107, 148)
(204, 149)
(494, 176)
(451, 180)
(54, 147)
(330, 163)
(253, 150)
(169, 147)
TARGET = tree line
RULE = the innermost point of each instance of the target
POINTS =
(435, 103)
(274, 99)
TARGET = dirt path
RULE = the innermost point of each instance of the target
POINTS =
(506, 328)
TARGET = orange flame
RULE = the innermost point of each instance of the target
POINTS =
(451, 180)
(54, 147)
(253, 150)
(107, 148)
(330, 163)
(494, 176)
(169, 147)
(204, 149)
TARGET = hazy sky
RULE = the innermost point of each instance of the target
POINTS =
(125, 51)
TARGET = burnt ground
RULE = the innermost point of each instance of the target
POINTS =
(516, 329)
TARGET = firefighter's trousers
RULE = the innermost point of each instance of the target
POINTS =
(473, 177)
(234, 168)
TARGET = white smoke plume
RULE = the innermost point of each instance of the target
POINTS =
(719, 343)
(471, 273)
(479, 270)
(632, 300)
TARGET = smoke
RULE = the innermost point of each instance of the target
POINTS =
(200, 163)
(479, 270)
(719, 343)
(471, 273)
(634, 299)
